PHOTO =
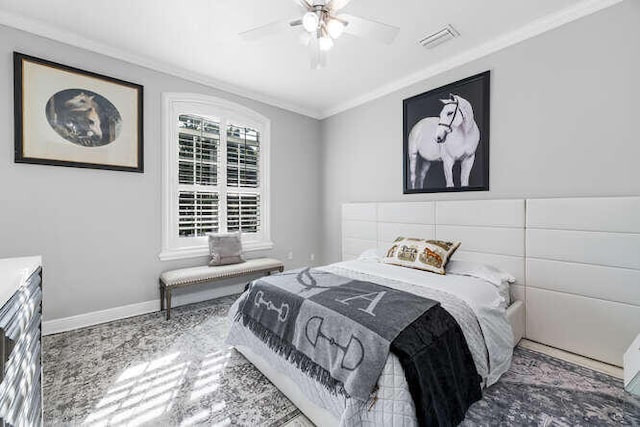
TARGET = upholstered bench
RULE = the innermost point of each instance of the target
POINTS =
(170, 280)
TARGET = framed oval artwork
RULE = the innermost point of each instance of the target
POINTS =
(65, 116)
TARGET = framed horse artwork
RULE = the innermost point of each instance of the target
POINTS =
(65, 116)
(446, 138)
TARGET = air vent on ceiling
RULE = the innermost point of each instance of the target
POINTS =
(436, 39)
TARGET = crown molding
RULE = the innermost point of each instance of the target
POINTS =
(533, 29)
(528, 31)
(58, 34)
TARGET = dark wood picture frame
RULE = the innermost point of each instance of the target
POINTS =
(19, 104)
(414, 110)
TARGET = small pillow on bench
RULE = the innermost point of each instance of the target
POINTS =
(225, 248)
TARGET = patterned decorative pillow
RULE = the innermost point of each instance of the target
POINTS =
(428, 255)
(225, 248)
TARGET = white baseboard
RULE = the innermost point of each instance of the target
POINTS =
(65, 324)
(577, 359)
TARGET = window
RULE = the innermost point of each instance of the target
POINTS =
(215, 175)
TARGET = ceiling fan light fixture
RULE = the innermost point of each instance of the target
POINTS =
(335, 28)
(320, 23)
(310, 21)
(325, 43)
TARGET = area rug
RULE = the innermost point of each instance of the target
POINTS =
(145, 370)
(539, 390)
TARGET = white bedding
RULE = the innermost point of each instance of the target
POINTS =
(475, 304)
(483, 298)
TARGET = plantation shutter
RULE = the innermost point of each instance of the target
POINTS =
(243, 212)
(208, 200)
(243, 152)
(198, 160)
(243, 193)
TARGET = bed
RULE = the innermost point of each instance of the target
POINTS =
(492, 232)
(574, 260)
(491, 330)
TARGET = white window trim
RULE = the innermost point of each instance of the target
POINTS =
(174, 104)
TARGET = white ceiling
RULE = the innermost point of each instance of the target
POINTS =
(200, 38)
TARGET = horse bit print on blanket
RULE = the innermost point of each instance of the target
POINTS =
(352, 353)
(283, 310)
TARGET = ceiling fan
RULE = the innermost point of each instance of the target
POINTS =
(323, 25)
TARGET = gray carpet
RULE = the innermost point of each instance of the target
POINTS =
(144, 370)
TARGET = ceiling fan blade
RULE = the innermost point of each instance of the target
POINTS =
(368, 29)
(335, 5)
(268, 30)
(304, 3)
(295, 23)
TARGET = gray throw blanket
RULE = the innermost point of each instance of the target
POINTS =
(335, 329)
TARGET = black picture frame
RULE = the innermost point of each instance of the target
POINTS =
(428, 105)
(137, 119)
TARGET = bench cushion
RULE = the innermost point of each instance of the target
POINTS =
(200, 274)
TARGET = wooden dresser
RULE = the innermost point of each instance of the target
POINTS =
(20, 342)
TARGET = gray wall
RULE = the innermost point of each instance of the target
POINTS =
(100, 231)
(564, 122)
(564, 118)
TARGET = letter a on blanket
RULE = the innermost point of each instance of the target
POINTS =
(373, 301)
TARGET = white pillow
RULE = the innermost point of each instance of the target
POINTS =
(372, 255)
(498, 278)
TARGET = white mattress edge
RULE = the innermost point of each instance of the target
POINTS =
(517, 319)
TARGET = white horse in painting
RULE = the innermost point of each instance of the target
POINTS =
(451, 137)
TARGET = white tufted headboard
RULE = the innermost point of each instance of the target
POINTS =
(576, 260)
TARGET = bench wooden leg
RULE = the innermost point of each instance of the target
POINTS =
(168, 292)
(161, 296)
